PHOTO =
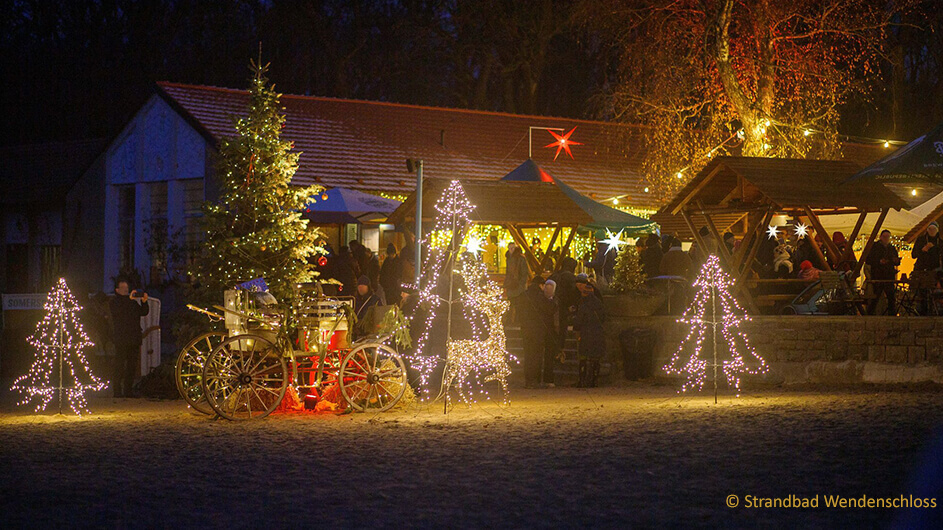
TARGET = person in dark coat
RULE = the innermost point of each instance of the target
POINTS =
(345, 272)
(371, 267)
(676, 262)
(127, 308)
(651, 256)
(927, 249)
(553, 349)
(567, 295)
(391, 274)
(883, 260)
(589, 322)
(364, 300)
(534, 313)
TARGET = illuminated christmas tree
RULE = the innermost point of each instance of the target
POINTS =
(60, 366)
(714, 316)
(257, 228)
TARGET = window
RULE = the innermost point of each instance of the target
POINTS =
(192, 211)
(126, 210)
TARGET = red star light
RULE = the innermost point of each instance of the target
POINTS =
(562, 142)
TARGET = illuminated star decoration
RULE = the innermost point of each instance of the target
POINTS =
(801, 230)
(613, 240)
(562, 142)
(474, 245)
(772, 232)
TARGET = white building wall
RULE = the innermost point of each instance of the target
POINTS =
(157, 145)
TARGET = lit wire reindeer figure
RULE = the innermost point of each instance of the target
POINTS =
(468, 357)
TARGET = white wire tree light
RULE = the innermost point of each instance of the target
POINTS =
(714, 316)
(60, 368)
(480, 358)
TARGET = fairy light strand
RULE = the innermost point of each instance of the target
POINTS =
(60, 366)
(713, 300)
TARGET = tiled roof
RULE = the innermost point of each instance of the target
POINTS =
(363, 144)
(44, 172)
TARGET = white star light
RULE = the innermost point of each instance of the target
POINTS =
(772, 232)
(613, 240)
(801, 230)
(474, 245)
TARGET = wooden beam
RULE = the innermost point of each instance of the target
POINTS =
(818, 252)
(566, 248)
(829, 244)
(721, 247)
(697, 236)
(553, 239)
(700, 185)
(525, 248)
(850, 247)
(867, 246)
(755, 238)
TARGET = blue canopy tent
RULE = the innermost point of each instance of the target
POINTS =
(342, 206)
(914, 172)
(603, 217)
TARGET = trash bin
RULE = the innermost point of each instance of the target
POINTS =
(638, 351)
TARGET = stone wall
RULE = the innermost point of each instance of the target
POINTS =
(816, 349)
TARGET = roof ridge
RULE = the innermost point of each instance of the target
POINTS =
(403, 105)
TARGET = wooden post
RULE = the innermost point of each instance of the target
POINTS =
(752, 236)
(869, 243)
(697, 236)
(850, 249)
(721, 247)
(553, 239)
(566, 247)
(522, 241)
(829, 244)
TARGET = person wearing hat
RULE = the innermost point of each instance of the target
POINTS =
(589, 323)
(535, 310)
(364, 299)
(808, 272)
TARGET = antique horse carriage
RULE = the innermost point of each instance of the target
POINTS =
(246, 372)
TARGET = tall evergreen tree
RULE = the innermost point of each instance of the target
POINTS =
(256, 229)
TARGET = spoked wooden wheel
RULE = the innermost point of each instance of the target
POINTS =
(189, 369)
(245, 378)
(372, 378)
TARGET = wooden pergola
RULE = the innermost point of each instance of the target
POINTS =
(514, 205)
(742, 194)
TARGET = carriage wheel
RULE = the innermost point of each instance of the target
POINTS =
(245, 378)
(372, 378)
(189, 369)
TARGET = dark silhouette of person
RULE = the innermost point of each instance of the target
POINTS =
(127, 308)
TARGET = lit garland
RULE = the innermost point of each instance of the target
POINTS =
(713, 300)
(487, 359)
(453, 209)
(59, 340)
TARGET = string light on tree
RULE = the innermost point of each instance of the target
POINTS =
(60, 366)
(714, 314)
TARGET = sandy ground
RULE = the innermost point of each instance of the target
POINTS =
(626, 456)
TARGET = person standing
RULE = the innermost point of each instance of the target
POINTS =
(552, 321)
(533, 315)
(567, 296)
(345, 271)
(371, 267)
(515, 279)
(391, 274)
(651, 256)
(883, 261)
(592, 340)
(126, 312)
